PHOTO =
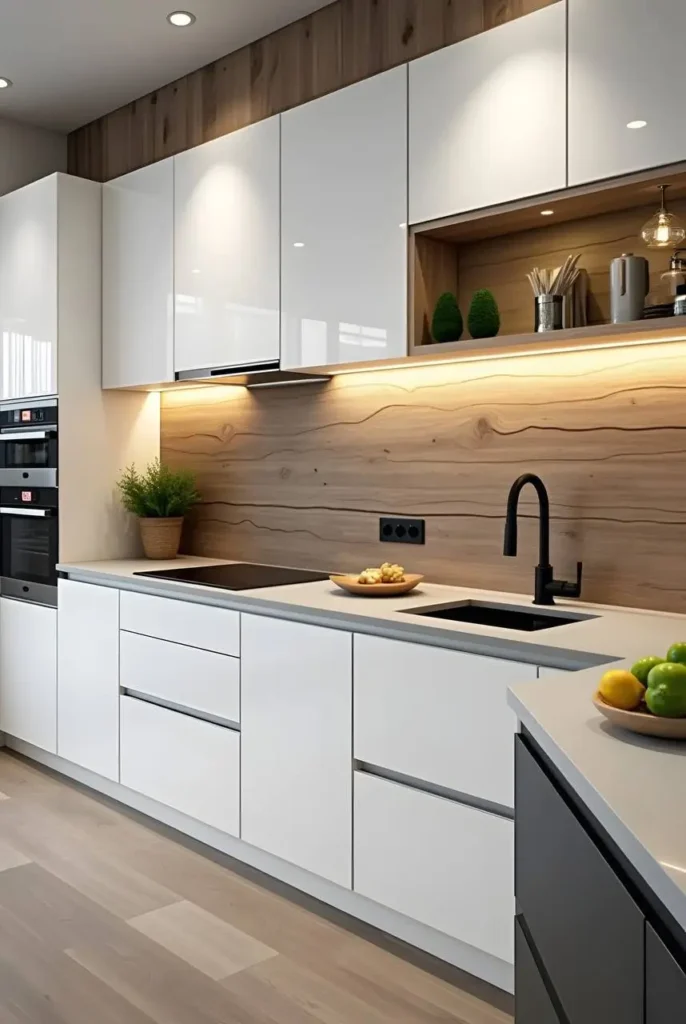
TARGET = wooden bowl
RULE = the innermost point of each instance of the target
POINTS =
(351, 584)
(642, 721)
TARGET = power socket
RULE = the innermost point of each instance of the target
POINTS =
(402, 531)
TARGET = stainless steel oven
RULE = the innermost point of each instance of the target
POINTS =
(28, 444)
(28, 544)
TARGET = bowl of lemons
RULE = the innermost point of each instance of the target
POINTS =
(649, 698)
(388, 580)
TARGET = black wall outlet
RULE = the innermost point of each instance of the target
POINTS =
(402, 531)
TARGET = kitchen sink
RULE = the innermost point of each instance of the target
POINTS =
(503, 616)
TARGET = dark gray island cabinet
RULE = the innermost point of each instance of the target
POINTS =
(592, 945)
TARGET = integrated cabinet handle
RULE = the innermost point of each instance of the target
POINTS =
(27, 435)
(37, 513)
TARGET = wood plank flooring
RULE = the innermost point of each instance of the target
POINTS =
(105, 917)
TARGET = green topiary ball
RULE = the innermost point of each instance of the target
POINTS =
(484, 317)
(447, 323)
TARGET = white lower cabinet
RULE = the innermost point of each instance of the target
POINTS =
(28, 673)
(447, 865)
(437, 715)
(190, 765)
(88, 677)
(296, 757)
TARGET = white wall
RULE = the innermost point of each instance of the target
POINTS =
(28, 153)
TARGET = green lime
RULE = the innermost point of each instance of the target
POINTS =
(677, 653)
(643, 667)
(666, 693)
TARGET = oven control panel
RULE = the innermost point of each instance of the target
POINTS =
(37, 416)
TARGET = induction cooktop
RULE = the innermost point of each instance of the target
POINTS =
(239, 576)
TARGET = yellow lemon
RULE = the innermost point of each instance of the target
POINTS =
(621, 689)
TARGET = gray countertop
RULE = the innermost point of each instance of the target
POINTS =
(610, 634)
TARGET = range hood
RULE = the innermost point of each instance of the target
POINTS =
(256, 375)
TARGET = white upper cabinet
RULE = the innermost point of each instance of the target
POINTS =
(344, 231)
(226, 218)
(624, 61)
(138, 277)
(28, 290)
(488, 117)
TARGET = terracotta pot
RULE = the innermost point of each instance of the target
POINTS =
(161, 537)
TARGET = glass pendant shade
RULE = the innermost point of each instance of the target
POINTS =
(664, 230)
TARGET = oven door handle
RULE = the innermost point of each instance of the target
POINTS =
(38, 513)
(27, 435)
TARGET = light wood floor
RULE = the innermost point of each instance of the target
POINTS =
(106, 919)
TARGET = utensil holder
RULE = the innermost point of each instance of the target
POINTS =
(549, 310)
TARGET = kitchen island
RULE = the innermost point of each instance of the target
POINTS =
(344, 745)
(600, 862)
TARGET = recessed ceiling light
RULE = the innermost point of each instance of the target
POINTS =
(181, 19)
(298, 245)
(637, 124)
(5, 83)
(547, 213)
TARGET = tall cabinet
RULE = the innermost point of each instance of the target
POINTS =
(28, 290)
(226, 253)
(624, 61)
(344, 225)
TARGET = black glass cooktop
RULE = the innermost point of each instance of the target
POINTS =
(240, 576)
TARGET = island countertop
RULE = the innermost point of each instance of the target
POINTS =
(633, 785)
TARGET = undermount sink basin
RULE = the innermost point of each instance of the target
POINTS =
(503, 616)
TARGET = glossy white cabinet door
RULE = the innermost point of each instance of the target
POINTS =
(623, 55)
(28, 290)
(226, 216)
(28, 673)
(296, 757)
(88, 677)
(438, 716)
(488, 118)
(442, 863)
(138, 277)
(344, 238)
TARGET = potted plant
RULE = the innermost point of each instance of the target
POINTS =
(484, 316)
(447, 323)
(160, 497)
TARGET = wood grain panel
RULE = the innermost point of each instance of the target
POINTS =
(502, 264)
(300, 475)
(342, 43)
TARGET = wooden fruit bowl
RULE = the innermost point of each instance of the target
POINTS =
(642, 721)
(353, 586)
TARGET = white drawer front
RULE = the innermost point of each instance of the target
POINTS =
(187, 764)
(437, 715)
(195, 679)
(442, 863)
(197, 625)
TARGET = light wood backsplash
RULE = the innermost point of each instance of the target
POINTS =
(341, 43)
(300, 475)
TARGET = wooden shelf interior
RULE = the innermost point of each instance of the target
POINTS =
(497, 249)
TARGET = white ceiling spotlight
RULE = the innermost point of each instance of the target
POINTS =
(5, 83)
(181, 19)
(635, 125)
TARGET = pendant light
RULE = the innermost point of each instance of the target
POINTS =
(664, 230)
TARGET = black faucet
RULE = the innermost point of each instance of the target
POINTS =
(546, 586)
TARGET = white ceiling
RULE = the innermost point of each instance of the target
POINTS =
(73, 60)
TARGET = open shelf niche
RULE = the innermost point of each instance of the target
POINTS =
(497, 247)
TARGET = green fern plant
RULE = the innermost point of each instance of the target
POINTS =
(159, 492)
